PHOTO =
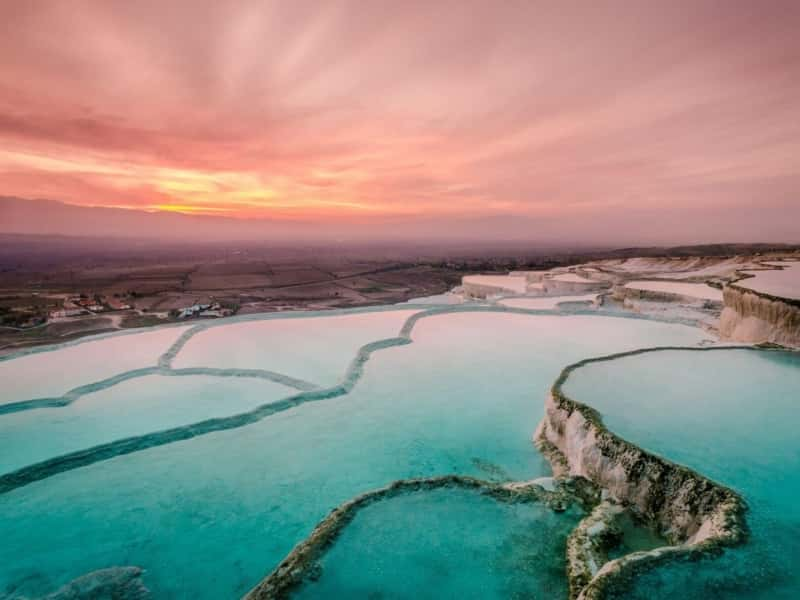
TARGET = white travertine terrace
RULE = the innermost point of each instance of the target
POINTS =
(546, 302)
(753, 318)
(783, 282)
(691, 290)
(52, 373)
(688, 289)
(321, 358)
(696, 515)
(571, 283)
(211, 339)
(531, 283)
(482, 286)
(639, 265)
(676, 268)
(726, 268)
(764, 307)
(531, 276)
(572, 278)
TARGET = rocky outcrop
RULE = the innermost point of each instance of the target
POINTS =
(692, 512)
(681, 503)
(530, 276)
(556, 287)
(530, 283)
(755, 317)
(624, 293)
(487, 286)
(589, 543)
(482, 291)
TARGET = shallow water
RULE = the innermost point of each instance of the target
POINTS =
(547, 302)
(134, 407)
(784, 283)
(210, 516)
(54, 372)
(314, 348)
(447, 543)
(731, 415)
(636, 537)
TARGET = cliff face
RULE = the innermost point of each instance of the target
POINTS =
(692, 512)
(752, 317)
(622, 293)
(554, 287)
(682, 503)
(482, 291)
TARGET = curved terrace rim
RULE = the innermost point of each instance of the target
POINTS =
(85, 457)
(731, 512)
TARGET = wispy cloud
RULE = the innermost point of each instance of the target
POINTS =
(358, 111)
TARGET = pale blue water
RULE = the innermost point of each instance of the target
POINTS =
(210, 516)
(447, 544)
(134, 407)
(731, 415)
(437, 300)
(55, 372)
(315, 348)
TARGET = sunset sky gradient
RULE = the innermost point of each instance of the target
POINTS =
(559, 114)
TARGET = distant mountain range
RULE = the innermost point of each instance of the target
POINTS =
(50, 217)
(640, 233)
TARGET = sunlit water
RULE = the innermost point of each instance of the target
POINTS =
(210, 516)
(54, 372)
(315, 348)
(732, 415)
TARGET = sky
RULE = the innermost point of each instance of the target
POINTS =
(660, 121)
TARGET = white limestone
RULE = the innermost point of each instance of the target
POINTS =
(690, 290)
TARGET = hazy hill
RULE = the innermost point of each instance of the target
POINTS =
(49, 217)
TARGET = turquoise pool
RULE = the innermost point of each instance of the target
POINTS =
(209, 514)
(447, 544)
(731, 415)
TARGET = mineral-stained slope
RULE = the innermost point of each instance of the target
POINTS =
(692, 512)
(751, 316)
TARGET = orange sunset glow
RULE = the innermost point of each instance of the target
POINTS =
(569, 116)
(399, 299)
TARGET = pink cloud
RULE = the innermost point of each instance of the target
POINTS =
(359, 112)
